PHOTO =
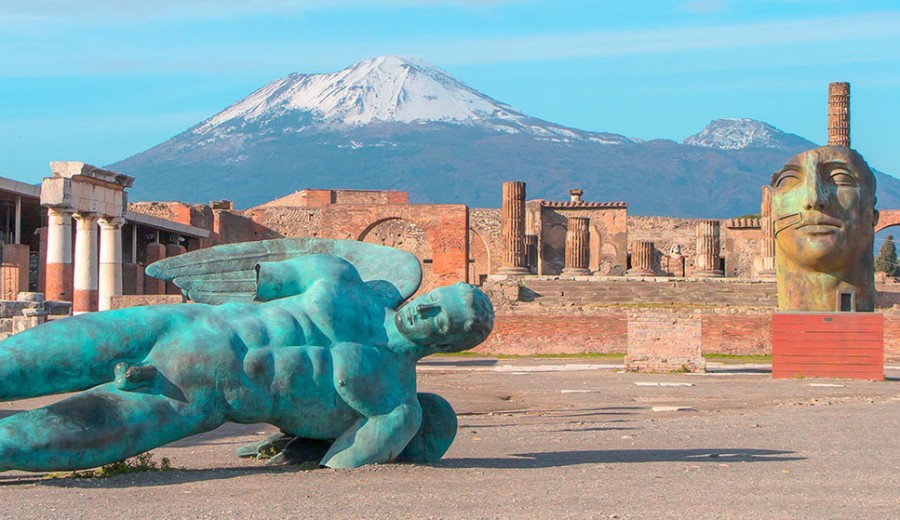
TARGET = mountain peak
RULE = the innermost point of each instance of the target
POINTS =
(737, 134)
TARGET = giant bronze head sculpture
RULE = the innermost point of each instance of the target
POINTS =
(824, 216)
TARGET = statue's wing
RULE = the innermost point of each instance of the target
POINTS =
(227, 273)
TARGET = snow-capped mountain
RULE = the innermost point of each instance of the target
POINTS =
(394, 123)
(737, 134)
(387, 89)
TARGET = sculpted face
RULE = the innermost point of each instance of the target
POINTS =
(449, 319)
(823, 215)
(823, 208)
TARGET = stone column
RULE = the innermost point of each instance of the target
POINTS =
(767, 241)
(58, 283)
(642, 258)
(531, 252)
(85, 283)
(578, 251)
(512, 229)
(110, 260)
(174, 249)
(839, 114)
(707, 255)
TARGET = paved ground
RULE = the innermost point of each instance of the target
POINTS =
(548, 439)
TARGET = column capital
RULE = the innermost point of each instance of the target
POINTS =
(111, 222)
(84, 217)
(59, 211)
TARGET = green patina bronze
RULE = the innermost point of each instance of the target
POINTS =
(306, 338)
(824, 217)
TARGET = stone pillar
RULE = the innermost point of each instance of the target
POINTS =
(531, 252)
(153, 253)
(578, 242)
(110, 261)
(642, 258)
(512, 229)
(767, 242)
(58, 283)
(85, 279)
(707, 255)
(839, 114)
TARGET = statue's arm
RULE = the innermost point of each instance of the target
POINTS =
(376, 439)
(372, 381)
(292, 277)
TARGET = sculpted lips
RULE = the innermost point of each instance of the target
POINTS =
(820, 225)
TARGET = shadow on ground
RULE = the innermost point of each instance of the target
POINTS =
(552, 459)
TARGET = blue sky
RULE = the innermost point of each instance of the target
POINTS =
(101, 80)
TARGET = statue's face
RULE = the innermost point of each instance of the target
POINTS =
(443, 317)
(823, 208)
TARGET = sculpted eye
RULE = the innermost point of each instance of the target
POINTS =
(787, 179)
(843, 178)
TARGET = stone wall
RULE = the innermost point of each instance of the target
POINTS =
(608, 232)
(484, 243)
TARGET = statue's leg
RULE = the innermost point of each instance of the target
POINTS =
(79, 352)
(100, 426)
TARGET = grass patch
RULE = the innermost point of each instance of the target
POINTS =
(760, 358)
(584, 355)
(138, 464)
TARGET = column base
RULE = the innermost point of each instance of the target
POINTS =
(576, 271)
(86, 300)
(513, 270)
(639, 272)
(708, 274)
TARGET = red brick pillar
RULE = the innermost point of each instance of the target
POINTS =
(173, 250)
(154, 252)
(839, 114)
(642, 258)
(707, 256)
(578, 241)
(59, 255)
(512, 229)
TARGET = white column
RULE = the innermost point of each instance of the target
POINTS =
(59, 254)
(110, 260)
(86, 268)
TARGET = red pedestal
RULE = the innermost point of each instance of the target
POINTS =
(844, 345)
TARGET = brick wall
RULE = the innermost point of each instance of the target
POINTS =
(664, 341)
(523, 334)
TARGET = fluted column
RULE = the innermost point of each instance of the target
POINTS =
(707, 255)
(642, 258)
(59, 254)
(578, 241)
(110, 283)
(86, 268)
(512, 229)
(839, 114)
(767, 242)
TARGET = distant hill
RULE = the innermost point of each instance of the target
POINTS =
(395, 123)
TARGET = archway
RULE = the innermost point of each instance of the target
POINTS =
(404, 235)
(479, 258)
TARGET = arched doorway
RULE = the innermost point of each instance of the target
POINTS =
(404, 235)
(479, 258)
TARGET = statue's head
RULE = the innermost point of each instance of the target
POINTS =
(447, 319)
(823, 212)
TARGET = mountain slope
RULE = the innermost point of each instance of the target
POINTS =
(391, 123)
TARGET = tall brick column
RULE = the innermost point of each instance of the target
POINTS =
(578, 242)
(86, 267)
(59, 254)
(767, 244)
(152, 253)
(174, 249)
(839, 114)
(642, 258)
(110, 282)
(707, 255)
(512, 229)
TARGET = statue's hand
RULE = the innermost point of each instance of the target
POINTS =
(284, 448)
(266, 448)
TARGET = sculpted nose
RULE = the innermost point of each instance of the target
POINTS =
(816, 196)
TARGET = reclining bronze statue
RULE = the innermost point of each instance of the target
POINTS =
(824, 217)
(301, 334)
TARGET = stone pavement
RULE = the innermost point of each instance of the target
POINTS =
(544, 438)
